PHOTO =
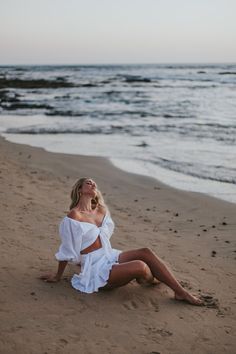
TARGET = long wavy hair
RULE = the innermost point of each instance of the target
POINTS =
(75, 195)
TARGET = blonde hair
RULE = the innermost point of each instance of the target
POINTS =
(75, 195)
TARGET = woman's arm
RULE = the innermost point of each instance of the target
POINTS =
(54, 278)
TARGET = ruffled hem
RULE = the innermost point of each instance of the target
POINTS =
(96, 273)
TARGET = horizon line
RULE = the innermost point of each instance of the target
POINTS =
(122, 63)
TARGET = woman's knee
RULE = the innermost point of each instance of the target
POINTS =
(142, 268)
(145, 252)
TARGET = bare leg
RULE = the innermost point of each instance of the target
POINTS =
(122, 274)
(160, 271)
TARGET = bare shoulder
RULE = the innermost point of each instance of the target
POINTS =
(74, 214)
(102, 209)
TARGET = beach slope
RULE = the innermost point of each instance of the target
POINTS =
(193, 233)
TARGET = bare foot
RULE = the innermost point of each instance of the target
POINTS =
(191, 299)
(49, 278)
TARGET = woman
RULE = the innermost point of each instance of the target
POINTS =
(85, 234)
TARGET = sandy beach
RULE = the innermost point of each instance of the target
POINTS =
(193, 233)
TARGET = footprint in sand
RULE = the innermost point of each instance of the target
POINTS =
(185, 285)
(160, 331)
(101, 325)
(154, 304)
(131, 305)
(164, 333)
(209, 301)
(222, 312)
(63, 341)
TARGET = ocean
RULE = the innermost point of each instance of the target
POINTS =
(173, 122)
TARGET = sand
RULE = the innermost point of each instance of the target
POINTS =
(193, 233)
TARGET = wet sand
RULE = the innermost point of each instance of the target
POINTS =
(193, 233)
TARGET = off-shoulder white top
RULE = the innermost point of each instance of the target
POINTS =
(78, 235)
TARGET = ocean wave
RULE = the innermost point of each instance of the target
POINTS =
(92, 129)
(64, 113)
(10, 101)
(25, 105)
(54, 130)
(133, 78)
(209, 172)
(218, 132)
(227, 73)
(164, 110)
(89, 129)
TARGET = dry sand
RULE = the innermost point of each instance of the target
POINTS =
(193, 233)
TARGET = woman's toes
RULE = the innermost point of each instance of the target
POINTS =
(191, 299)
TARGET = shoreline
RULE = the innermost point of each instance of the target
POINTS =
(134, 168)
(192, 232)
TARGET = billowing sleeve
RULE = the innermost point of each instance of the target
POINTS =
(107, 228)
(71, 240)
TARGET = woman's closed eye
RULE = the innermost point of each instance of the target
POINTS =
(91, 183)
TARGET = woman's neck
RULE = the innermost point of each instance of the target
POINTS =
(85, 204)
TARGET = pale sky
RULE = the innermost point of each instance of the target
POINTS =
(117, 31)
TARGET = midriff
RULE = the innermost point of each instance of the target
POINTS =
(93, 247)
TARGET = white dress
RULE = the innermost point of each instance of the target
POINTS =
(96, 265)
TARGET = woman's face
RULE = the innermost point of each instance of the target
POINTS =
(89, 187)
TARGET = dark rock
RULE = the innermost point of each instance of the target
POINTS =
(31, 84)
(143, 144)
(133, 78)
(213, 253)
(89, 84)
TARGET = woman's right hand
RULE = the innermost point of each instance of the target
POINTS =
(50, 278)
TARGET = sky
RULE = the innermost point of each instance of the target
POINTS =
(117, 31)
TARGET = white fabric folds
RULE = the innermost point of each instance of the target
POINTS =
(94, 270)
(95, 266)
